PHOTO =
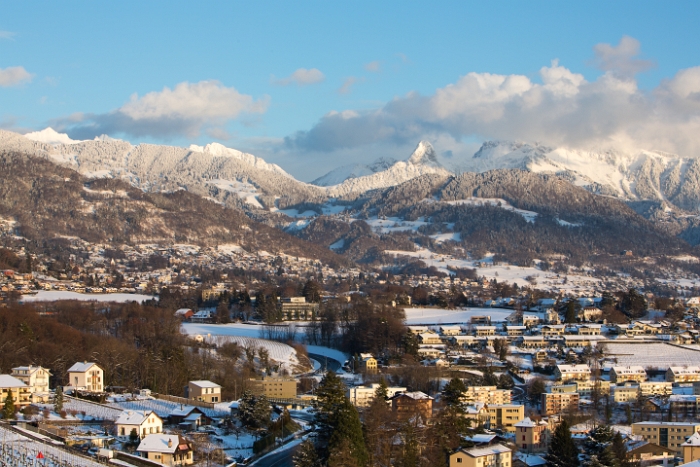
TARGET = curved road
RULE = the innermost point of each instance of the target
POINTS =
(326, 362)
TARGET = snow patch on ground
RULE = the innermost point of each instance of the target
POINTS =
(437, 316)
(529, 216)
(55, 295)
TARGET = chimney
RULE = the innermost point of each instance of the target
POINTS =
(170, 442)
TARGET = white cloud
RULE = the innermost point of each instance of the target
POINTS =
(563, 109)
(187, 109)
(14, 75)
(374, 66)
(7, 35)
(621, 59)
(346, 88)
(301, 77)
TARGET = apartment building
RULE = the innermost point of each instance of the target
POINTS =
(274, 388)
(668, 434)
(622, 374)
(487, 395)
(505, 416)
(683, 374)
(362, 396)
(556, 403)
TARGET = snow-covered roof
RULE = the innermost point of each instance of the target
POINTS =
(486, 451)
(7, 381)
(629, 370)
(693, 440)
(134, 417)
(80, 367)
(160, 443)
(482, 438)
(205, 384)
(183, 411)
(416, 395)
(531, 460)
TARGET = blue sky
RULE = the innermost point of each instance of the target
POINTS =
(314, 85)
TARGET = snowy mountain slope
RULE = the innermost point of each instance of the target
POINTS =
(644, 175)
(339, 175)
(50, 136)
(169, 168)
(423, 161)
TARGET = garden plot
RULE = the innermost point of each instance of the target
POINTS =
(19, 451)
(84, 410)
(651, 354)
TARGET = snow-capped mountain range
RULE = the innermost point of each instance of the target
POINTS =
(228, 175)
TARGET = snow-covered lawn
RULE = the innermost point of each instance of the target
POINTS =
(462, 315)
(54, 295)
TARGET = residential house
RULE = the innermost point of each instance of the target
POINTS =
(86, 376)
(496, 455)
(184, 313)
(407, 404)
(188, 417)
(367, 362)
(166, 449)
(579, 372)
(203, 391)
(450, 330)
(141, 422)
(515, 331)
(534, 342)
(691, 448)
(429, 338)
(16, 389)
(668, 434)
(553, 330)
(531, 435)
(621, 374)
(590, 329)
(37, 378)
(483, 331)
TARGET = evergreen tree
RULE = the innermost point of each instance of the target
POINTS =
(453, 392)
(411, 452)
(619, 451)
(382, 391)
(347, 434)
(307, 456)
(58, 400)
(330, 396)
(562, 450)
(8, 411)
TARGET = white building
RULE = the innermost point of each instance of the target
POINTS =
(362, 396)
(37, 378)
(141, 422)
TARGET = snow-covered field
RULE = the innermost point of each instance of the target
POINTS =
(54, 295)
(242, 333)
(164, 408)
(485, 267)
(85, 410)
(462, 315)
(245, 336)
(652, 354)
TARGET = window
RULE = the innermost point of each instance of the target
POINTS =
(459, 460)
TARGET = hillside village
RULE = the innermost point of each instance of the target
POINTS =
(527, 367)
